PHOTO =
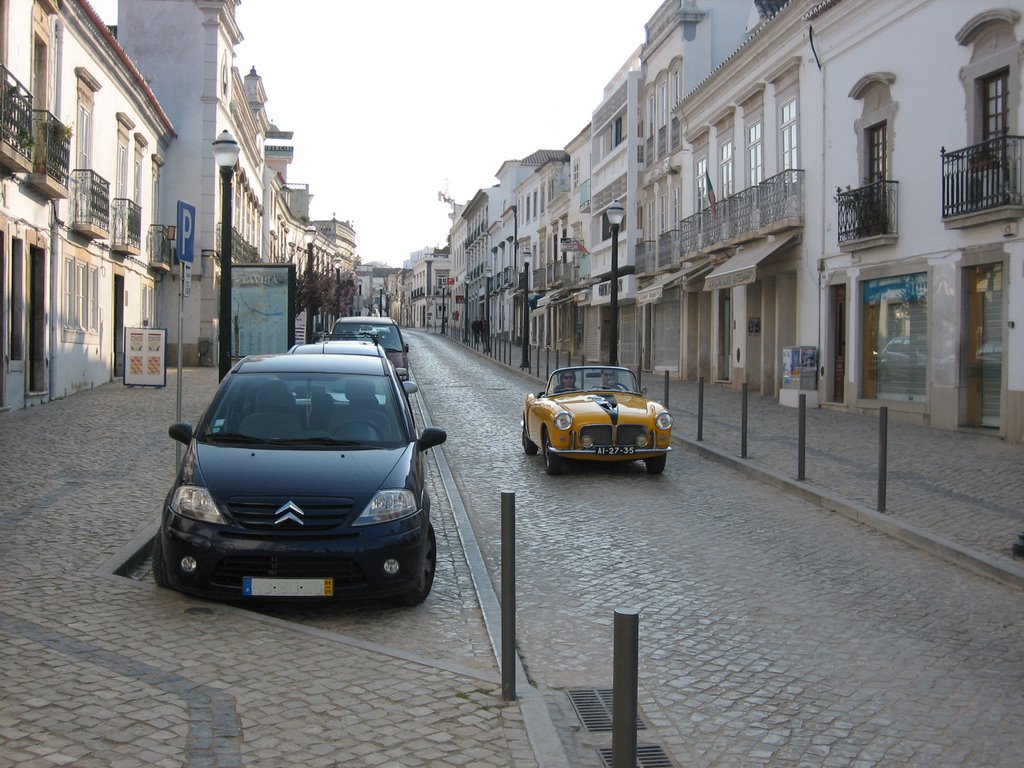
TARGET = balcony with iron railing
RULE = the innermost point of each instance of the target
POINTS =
(774, 205)
(126, 226)
(16, 138)
(982, 183)
(540, 279)
(242, 252)
(646, 257)
(159, 246)
(90, 204)
(668, 255)
(868, 215)
(51, 155)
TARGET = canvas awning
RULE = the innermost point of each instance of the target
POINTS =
(653, 291)
(742, 268)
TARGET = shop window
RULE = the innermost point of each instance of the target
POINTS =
(895, 351)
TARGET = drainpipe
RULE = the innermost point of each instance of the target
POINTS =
(53, 315)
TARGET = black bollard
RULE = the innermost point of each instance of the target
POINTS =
(666, 390)
(700, 409)
(625, 677)
(743, 424)
(508, 596)
(883, 448)
(802, 438)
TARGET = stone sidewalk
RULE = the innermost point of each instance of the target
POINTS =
(958, 494)
(97, 670)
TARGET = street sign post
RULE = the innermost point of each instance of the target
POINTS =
(185, 250)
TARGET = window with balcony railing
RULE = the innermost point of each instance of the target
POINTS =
(866, 212)
(982, 177)
(126, 225)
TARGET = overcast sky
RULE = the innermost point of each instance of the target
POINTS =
(393, 102)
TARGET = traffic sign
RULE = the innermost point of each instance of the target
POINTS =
(186, 241)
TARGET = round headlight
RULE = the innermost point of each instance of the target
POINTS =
(664, 420)
(563, 420)
(641, 441)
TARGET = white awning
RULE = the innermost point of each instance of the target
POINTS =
(653, 291)
(742, 268)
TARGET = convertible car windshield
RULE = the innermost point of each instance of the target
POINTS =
(591, 378)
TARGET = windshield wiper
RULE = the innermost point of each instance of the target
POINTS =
(331, 441)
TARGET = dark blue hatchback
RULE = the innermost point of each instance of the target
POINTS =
(304, 479)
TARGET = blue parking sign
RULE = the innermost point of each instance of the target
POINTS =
(186, 241)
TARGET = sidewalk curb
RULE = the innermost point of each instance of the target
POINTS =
(919, 538)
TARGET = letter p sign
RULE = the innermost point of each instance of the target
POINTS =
(186, 242)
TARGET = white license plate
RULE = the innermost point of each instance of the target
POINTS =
(615, 450)
(259, 587)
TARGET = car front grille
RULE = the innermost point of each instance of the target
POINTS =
(606, 434)
(230, 571)
(311, 515)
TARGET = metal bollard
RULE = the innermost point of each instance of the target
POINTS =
(743, 424)
(547, 363)
(666, 390)
(802, 438)
(700, 409)
(508, 596)
(625, 677)
(883, 447)
(558, 354)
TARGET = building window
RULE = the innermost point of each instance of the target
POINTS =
(725, 174)
(895, 356)
(650, 116)
(676, 218)
(81, 295)
(755, 155)
(995, 109)
(661, 214)
(70, 321)
(84, 136)
(94, 299)
(701, 195)
(677, 87)
(877, 153)
(663, 114)
(617, 136)
(788, 134)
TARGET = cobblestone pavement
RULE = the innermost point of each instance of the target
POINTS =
(98, 670)
(772, 631)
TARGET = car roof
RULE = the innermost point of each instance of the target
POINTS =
(338, 347)
(314, 363)
(365, 320)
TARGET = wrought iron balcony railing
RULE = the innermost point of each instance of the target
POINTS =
(667, 255)
(126, 226)
(51, 158)
(15, 123)
(159, 247)
(241, 251)
(868, 211)
(982, 177)
(646, 257)
(90, 203)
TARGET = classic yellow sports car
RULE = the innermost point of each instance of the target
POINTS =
(596, 413)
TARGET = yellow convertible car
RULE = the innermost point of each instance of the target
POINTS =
(595, 413)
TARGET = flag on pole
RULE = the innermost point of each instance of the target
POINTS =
(711, 195)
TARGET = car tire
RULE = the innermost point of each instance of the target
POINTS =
(656, 465)
(553, 464)
(419, 593)
(529, 447)
(159, 564)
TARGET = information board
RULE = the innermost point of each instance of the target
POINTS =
(262, 308)
(144, 350)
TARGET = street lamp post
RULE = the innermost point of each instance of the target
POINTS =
(524, 364)
(225, 152)
(615, 214)
(489, 273)
(308, 236)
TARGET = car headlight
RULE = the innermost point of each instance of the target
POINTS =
(563, 420)
(664, 420)
(196, 502)
(386, 506)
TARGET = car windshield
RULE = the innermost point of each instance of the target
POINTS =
(304, 410)
(591, 378)
(386, 334)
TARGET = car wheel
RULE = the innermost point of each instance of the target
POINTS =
(159, 565)
(553, 464)
(419, 593)
(656, 465)
(529, 447)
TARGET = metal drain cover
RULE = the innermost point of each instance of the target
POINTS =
(646, 757)
(594, 709)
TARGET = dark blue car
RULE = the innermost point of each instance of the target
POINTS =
(304, 478)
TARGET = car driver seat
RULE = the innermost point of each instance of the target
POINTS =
(275, 415)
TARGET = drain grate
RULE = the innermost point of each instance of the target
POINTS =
(646, 757)
(594, 709)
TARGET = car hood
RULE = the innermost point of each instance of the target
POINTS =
(230, 471)
(590, 405)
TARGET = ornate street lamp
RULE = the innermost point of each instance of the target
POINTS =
(308, 236)
(225, 152)
(524, 364)
(487, 311)
(615, 213)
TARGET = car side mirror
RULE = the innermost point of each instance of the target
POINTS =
(430, 437)
(181, 432)
(409, 386)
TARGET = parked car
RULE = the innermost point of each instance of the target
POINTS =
(383, 329)
(304, 478)
(595, 413)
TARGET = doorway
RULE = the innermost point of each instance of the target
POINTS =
(838, 343)
(118, 329)
(37, 320)
(984, 345)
